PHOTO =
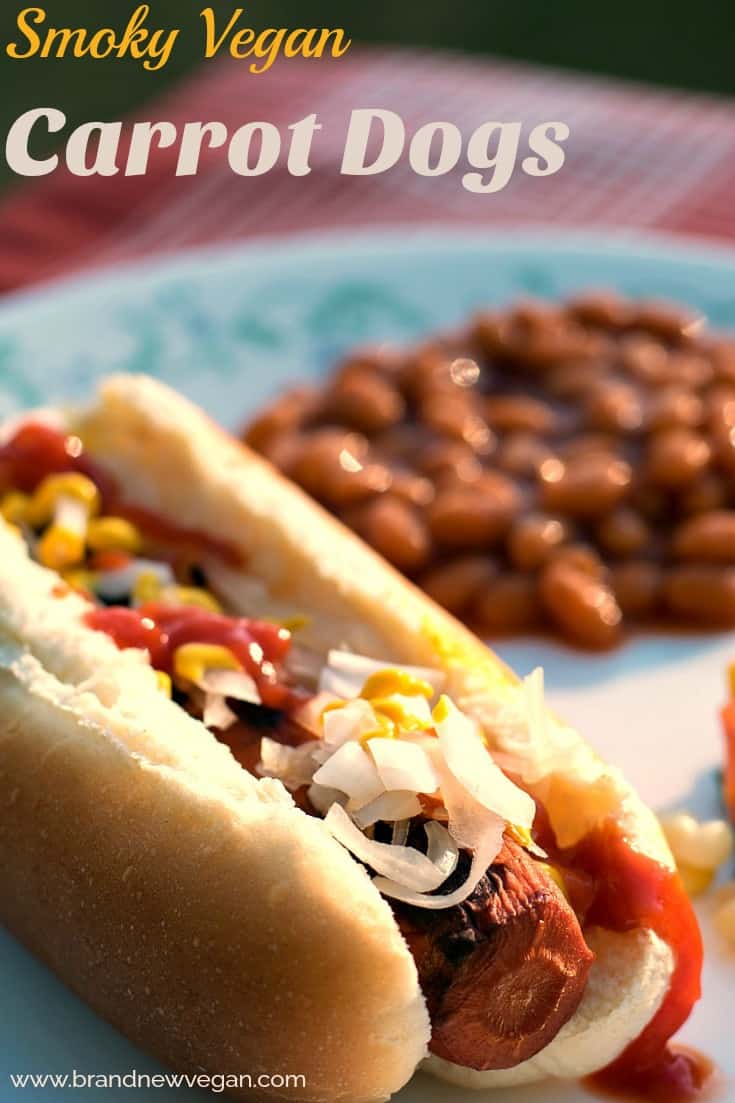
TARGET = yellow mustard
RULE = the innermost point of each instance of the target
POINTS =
(14, 507)
(113, 534)
(386, 682)
(60, 548)
(400, 713)
(521, 835)
(70, 484)
(80, 579)
(556, 876)
(190, 595)
(147, 587)
(164, 682)
(192, 660)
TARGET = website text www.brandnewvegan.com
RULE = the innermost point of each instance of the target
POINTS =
(215, 1082)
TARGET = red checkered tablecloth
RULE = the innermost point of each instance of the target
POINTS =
(637, 157)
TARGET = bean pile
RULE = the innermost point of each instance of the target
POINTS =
(563, 466)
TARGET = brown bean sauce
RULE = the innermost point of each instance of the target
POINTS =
(548, 467)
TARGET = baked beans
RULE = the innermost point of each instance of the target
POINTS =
(281, 418)
(701, 593)
(533, 540)
(623, 533)
(585, 486)
(363, 400)
(395, 529)
(568, 466)
(476, 516)
(707, 538)
(507, 603)
(582, 605)
(456, 583)
(637, 586)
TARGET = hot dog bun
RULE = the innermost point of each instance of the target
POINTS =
(195, 907)
(167, 887)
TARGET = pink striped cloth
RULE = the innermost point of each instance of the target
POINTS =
(637, 157)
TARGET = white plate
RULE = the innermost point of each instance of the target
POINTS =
(230, 328)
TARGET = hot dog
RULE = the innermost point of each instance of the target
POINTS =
(491, 944)
(282, 809)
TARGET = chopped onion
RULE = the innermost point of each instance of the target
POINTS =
(399, 805)
(472, 827)
(533, 848)
(217, 686)
(345, 673)
(231, 683)
(400, 832)
(351, 770)
(353, 720)
(442, 849)
(309, 715)
(71, 514)
(527, 740)
(217, 713)
(469, 760)
(400, 864)
(416, 710)
(403, 765)
(323, 798)
(549, 747)
(118, 584)
(539, 756)
(294, 766)
(391, 887)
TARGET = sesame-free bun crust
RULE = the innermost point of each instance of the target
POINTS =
(194, 907)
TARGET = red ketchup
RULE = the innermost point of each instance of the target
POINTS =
(613, 886)
(633, 891)
(129, 629)
(36, 450)
(179, 542)
(161, 629)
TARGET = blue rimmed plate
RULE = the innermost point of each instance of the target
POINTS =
(229, 328)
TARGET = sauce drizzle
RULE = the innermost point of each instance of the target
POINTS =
(36, 450)
(259, 645)
(634, 891)
(681, 1075)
